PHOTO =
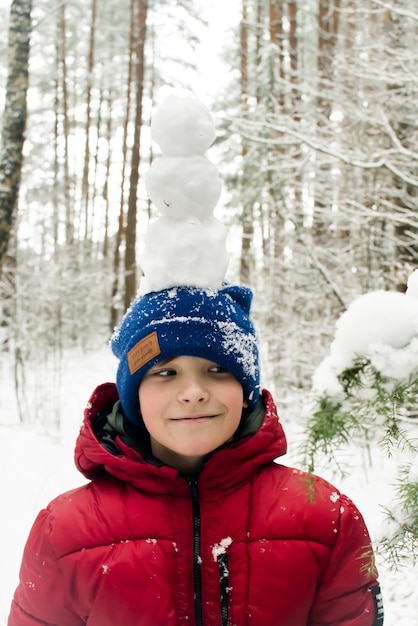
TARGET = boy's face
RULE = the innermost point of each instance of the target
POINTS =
(190, 407)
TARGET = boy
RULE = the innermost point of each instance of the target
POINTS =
(187, 518)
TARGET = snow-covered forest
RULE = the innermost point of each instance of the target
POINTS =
(315, 108)
(316, 121)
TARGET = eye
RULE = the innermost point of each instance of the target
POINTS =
(161, 372)
(217, 369)
(165, 372)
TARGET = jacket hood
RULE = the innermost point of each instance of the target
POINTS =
(225, 468)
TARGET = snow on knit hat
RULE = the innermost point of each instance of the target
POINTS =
(186, 321)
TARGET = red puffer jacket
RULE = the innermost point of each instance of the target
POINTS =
(245, 544)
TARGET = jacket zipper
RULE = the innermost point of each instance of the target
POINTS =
(224, 586)
(197, 574)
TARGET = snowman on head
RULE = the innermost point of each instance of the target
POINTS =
(186, 245)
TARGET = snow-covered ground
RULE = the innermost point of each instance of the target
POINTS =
(34, 467)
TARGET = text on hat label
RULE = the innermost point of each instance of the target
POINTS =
(143, 351)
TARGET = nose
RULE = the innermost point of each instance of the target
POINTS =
(193, 391)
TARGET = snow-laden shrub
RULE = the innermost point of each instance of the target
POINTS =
(367, 390)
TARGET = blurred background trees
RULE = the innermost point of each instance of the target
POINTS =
(328, 170)
(317, 147)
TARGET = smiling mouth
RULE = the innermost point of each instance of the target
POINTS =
(194, 418)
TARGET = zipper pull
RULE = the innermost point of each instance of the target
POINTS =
(194, 490)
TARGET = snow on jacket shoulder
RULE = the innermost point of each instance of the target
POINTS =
(245, 544)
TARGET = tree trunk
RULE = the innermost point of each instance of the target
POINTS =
(293, 41)
(62, 63)
(109, 130)
(85, 189)
(11, 156)
(115, 306)
(276, 37)
(247, 210)
(328, 28)
(139, 27)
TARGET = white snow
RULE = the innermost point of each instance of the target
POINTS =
(413, 471)
(182, 126)
(380, 325)
(192, 262)
(186, 246)
(181, 187)
(220, 548)
(412, 285)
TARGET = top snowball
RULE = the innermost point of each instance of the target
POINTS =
(183, 126)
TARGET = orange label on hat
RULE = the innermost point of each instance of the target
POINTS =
(143, 352)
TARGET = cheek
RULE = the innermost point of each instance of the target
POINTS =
(234, 397)
(149, 410)
(148, 402)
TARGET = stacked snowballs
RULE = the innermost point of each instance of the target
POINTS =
(186, 245)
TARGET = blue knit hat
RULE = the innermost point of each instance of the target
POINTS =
(186, 321)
